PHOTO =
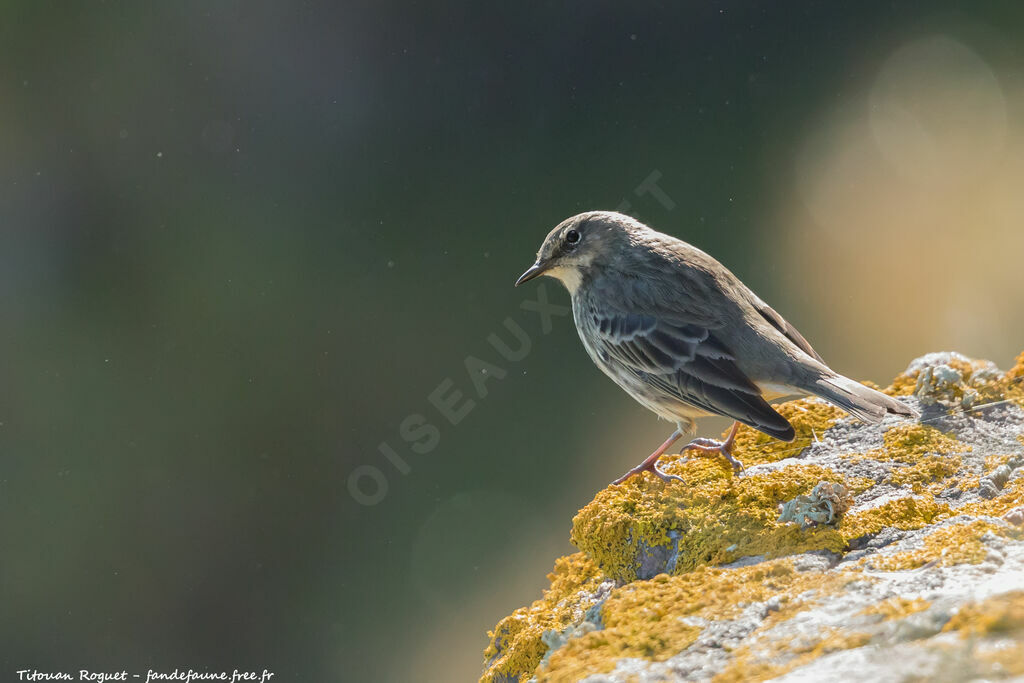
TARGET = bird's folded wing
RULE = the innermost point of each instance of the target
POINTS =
(783, 326)
(687, 361)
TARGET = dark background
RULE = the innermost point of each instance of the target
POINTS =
(240, 243)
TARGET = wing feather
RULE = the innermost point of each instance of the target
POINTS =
(783, 326)
(688, 362)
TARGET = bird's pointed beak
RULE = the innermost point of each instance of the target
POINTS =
(531, 272)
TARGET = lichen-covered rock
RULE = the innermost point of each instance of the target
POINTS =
(857, 552)
(520, 641)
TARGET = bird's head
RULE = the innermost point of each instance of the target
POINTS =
(586, 241)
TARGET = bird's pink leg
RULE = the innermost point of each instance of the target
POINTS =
(651, 463)
(723, 447)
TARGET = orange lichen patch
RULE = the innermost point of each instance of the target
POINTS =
(713, 517)
(646, 618)
(516, 647)
(896, 608)
(762, 663)
(809, 417)
(950, 545)
(999, 614)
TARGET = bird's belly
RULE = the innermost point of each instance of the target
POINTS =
(660, 403)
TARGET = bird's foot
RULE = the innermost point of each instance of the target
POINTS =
(712, 446)
(651, 467)
(651, 463)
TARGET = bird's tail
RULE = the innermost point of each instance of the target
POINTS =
(858, 400)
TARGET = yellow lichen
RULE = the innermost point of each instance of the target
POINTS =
(972, 480)
(652, 633)
(810, 418)
(763, 663)
(976, 383)
(901, 513)
(1014, 387)
(766, 656)
(1011, 496)
(903, 385)
(994, 461)
(929, 469)
(968, 481)
(998, 614)
(646, 618)
(921, 455)
(1006, 659)
(516, 647)
(896, 608)
(714, 516)
(910, 442)
(950, 545)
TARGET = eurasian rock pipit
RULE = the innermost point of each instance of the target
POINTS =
(684, 337)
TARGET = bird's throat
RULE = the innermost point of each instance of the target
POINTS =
(570, 277)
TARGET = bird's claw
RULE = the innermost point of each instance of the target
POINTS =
(737, 466)
(712, 446)
(653, 469)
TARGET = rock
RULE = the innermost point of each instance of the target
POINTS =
(898, 553)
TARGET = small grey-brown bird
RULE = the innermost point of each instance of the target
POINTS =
(684, 337)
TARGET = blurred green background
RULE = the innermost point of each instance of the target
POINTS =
(241, 243)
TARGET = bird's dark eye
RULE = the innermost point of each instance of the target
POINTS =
(572, 237)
